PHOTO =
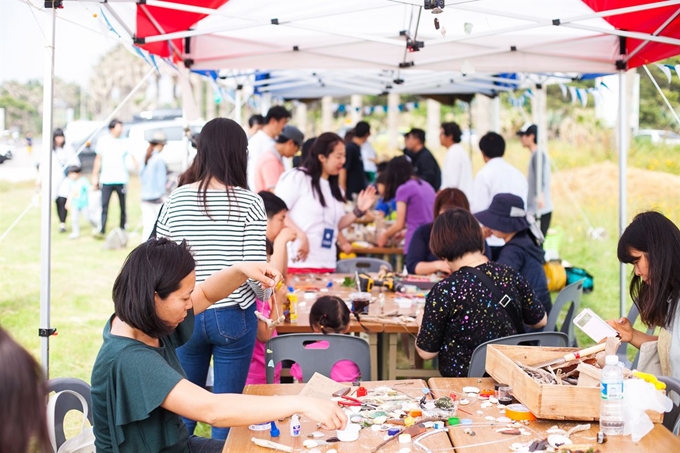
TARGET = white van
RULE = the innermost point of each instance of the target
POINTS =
(178, 152)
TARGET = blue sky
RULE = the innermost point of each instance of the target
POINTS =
(22, 42)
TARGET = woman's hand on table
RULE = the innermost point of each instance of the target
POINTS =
(366, 198)
(381, 239)
(325, 412)
(346, 247)
(443, 267)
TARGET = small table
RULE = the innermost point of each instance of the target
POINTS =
(239, 437)
(659, 439)
(385, 252)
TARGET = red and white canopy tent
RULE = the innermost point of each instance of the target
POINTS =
(482, 36)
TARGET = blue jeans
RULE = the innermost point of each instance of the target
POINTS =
(228, 336)
(203, 445)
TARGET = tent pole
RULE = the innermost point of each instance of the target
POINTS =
(623, 154)
(45, 331)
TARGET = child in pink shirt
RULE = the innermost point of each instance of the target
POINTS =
(330, 314)
(257, 373)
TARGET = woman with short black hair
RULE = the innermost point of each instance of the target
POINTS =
(462, 311)
(139, 388)
(651, 243)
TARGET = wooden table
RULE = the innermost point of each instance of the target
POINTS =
(385, 252)
(383, 336)
(239, 437)
(658, 440)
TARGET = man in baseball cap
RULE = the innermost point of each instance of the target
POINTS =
(539, 202)
(269, 166)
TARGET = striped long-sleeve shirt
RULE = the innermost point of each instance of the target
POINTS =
(233, 230)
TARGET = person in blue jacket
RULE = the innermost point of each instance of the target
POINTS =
(507, 219)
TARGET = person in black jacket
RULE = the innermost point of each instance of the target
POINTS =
(425, 166)
(506, 218)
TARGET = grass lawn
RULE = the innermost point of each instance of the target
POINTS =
(83, 273)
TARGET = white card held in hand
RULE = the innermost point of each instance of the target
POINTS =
(594, 326)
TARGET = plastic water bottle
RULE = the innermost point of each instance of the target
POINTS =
(611, 397)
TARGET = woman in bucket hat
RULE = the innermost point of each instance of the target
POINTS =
(507, 219)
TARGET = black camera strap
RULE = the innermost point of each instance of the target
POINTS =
(502, 299)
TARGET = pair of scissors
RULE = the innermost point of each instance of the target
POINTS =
(351, 401)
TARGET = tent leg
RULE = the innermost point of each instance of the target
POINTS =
(46, 192)
(539, 113)
(623, 167)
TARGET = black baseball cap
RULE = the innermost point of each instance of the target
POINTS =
(528, 129)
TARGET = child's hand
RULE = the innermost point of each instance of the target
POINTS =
(286, 235)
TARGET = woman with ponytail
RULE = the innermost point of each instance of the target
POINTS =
(154, 179)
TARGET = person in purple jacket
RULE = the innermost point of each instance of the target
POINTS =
(415, 200)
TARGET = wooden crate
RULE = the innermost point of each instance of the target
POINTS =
(547, 401)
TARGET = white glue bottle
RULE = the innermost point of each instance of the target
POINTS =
(294, 425)
(611, 397)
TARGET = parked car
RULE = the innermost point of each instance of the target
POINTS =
(178, 152)
(657, 137)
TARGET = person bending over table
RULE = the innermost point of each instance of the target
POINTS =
(461, 311)
(139, 389)
(316, 210)
(651, 243)
(415, 199)
(420, 260)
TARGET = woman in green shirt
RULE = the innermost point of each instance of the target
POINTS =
(139, 390)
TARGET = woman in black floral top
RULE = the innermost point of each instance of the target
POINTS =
(461, 312)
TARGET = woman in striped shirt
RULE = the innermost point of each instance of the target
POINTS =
(224, 223)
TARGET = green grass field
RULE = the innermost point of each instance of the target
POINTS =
(83, 273)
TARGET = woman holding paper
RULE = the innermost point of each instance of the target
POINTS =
(651, 243)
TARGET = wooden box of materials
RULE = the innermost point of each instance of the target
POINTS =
(547, 401)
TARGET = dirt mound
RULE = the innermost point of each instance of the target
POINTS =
(602, 181)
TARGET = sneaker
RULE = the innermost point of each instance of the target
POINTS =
(62, 228)
(73, 236)
(99, 235)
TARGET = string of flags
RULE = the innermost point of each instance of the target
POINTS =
(370, 109)
(580, 95)
(668, 69)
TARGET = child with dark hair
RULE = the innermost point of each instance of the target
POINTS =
(78, 198)
(330, 314)
(278, 235)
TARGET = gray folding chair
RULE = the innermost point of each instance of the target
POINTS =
(622, 352)
(340, 347)
(569, 297)
(478, 359)
(672, 419)
(351, 265)
(68, 402)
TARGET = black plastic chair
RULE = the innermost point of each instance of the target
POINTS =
(340, 347)
(68, 402)
(478, 359)
(569, 296)
(672, 419)
(352, 265)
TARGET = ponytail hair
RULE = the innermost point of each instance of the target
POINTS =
(329, 314)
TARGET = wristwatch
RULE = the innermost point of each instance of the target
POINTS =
(358, 212)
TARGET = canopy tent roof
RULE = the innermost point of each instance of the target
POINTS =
(313, 84)
(487, 36)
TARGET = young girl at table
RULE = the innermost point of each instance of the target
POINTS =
(330, 314)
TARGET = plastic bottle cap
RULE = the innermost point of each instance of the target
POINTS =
(290, 289)
(611, 360)
(274, 431)
(393, 431)
(454, 421)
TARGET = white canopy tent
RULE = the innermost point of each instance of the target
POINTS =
(482, 37)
